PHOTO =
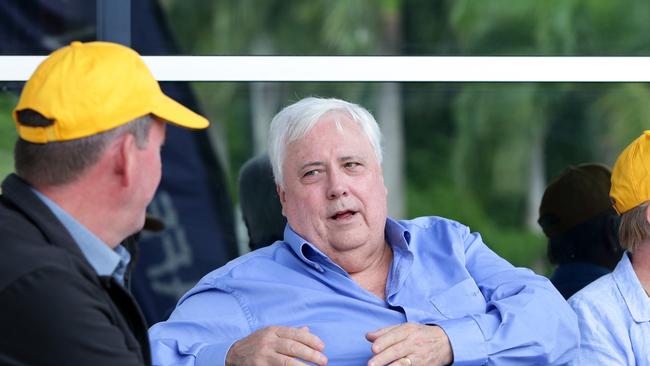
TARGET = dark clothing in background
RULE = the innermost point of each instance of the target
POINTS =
(54, 308)
(571, 277)
(576, 215)
(260, 204)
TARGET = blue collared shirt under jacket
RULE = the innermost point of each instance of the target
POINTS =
(614, 318)
(492, 312)
(104, 260)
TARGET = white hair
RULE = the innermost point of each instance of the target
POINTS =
(296, 120)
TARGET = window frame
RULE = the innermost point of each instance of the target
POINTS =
(374, 68)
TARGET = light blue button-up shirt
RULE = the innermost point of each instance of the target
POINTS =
(614, 317)
(105, 262)
(492, 312)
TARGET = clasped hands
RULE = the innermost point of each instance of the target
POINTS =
(408, 344)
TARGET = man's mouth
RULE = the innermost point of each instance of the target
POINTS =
(343, 215)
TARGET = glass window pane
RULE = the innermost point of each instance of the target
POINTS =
(411, 27)
(480, 153)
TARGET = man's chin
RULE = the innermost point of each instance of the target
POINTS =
(346, 241)
(138, 225)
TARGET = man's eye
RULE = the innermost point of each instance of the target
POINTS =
(310, 173)
(351, 164)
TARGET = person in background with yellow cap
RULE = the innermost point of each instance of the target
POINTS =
(614, 311)
(91, 122)
(581, 225)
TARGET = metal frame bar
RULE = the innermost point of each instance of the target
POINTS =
(374, 68)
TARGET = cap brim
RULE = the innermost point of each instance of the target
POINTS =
(176, 113)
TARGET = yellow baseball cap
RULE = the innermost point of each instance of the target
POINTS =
(88, 88)
(631, 175)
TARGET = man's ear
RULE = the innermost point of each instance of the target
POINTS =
(282, 197)
(647, 214)
(124, 159)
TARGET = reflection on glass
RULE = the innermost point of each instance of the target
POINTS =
(478, 153)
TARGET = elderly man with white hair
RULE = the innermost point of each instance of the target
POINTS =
(350, 286)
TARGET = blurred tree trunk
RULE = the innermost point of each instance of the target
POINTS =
(536, 179)
(389, 114)
(264, 99)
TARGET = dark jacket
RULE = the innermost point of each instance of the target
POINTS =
(54, 308)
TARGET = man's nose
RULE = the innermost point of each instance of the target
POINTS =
(337, 186)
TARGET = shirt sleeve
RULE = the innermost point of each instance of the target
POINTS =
(200, 331)
(526, 322)
(601, 342)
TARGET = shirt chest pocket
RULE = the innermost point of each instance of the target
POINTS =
(463, 298)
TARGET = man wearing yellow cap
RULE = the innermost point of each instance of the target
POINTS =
(614, 311)
(91, 122)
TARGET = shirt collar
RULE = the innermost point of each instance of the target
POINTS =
(105, 262)
(305, 250)
(396, 235)
(399, 238)
(628, 283)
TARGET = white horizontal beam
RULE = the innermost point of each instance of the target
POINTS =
(375, 68)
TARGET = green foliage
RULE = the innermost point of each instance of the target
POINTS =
(477, 153)
(497, 123)
(520, 247)
(612, 28)
(7, 134)
(618, 117)
(484, 175)
(351, 27)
